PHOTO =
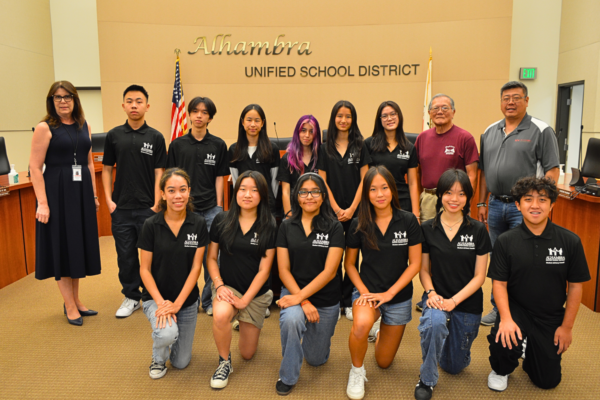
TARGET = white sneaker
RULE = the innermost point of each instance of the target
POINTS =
(374, 331)
(267, 313)
(348, 312)
(128, 306)
(339, 314)
(209, 311)
(236, 325)
(496, 382)
(356, 383)
(157, 370)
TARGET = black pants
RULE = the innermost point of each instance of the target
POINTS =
(126, 229)
(541, 363)
(347, 285)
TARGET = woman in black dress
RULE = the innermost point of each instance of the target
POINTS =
(67, 246)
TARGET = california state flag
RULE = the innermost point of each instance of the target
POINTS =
(426, 120)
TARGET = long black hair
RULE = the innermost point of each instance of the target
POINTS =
(326, 217)
(266, 222)
(379, 143)
(366, 211)
(264, 150)
(355, 138)
(447, 180)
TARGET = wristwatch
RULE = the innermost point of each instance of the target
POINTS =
(429, 291)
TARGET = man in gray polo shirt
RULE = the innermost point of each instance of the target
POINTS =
(512, 148)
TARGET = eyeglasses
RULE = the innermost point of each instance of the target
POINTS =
(443, 108)
(512, 99)
(390, 115)
(68, 98)
(314, 193)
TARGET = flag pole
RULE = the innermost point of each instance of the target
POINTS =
(426, 120)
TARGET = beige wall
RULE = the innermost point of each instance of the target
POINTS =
(26, 66)
(471, 56)
(535, 43)
(579, 59)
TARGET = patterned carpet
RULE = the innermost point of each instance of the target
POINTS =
(43, 357)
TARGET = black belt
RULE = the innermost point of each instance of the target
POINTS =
(505, 199)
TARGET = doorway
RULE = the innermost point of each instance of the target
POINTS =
(569, 115)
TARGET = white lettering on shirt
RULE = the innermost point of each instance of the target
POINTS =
(400, 239)
(466, 243)
(322, 240)
(352, 160)
(555, 256)
(254, 240)
(191, 242)
(210, 159)
(147, 149)
(449, 150)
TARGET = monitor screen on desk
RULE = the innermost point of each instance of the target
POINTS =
(591, 164)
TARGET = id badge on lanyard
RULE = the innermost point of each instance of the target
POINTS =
(76, 173)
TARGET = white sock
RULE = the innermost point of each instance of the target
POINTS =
(361, 368)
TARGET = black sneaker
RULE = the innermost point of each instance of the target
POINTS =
(221, 375)
(283, 389)
(422, 391)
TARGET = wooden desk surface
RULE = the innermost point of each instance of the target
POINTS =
(565, 191)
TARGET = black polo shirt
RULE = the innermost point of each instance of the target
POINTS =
(137, 154)
(284, 174)
(343, 173)
(381, 269)
(537, 268)
(308, 255)
(204, 160)
(172, 256)
(239, 268)
(453, 262)
(397, 162)
(252, 163)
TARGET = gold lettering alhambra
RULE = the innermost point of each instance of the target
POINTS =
(248, 47)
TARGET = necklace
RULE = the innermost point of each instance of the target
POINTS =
(450, 226)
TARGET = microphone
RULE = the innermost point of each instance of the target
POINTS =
(275, 126)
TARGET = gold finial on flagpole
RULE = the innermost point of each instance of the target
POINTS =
(177, 51)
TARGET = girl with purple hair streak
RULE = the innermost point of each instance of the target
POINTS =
(301, 156)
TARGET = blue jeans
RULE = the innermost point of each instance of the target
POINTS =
(179, 337)
(126, 229)
(501, 218)
(446, 338)
(209, 215)
(301, 339)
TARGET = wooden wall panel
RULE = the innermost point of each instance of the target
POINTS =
(28, 209)
(12, 251)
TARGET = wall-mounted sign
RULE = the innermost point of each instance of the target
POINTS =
(527, 73)
(278, 47)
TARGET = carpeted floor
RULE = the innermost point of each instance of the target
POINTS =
(43, 357)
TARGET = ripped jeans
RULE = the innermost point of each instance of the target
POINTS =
(446, 338)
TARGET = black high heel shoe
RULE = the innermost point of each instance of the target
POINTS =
(76, 321)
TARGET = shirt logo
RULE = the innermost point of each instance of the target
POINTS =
(147, 149)
(191, 242)
(555, 256)
(254, 240)
(466, 243)
(403, 156)
(352, 159)
(449, 150)
(322, 240)
(210, 159)
(400, 239)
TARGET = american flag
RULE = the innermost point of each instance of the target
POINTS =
(178, 115)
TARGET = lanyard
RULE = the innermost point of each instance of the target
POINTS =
(76, 144)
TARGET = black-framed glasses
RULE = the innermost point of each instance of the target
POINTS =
(314, 193)
(68, 98)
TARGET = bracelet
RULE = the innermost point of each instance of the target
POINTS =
(96, 197)
(219, 287)
(218, 278)
(481, 205)
(454, 301)
(338, 211)
(305, 302)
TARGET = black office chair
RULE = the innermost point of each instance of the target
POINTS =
(412, 137)
(98, 140)
(282, 143)
(591, 164)
(4, 164)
